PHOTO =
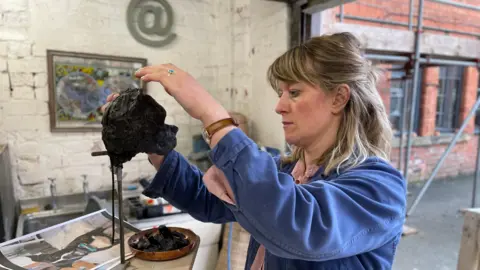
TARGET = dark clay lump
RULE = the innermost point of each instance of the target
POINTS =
(161, 239)
(135, 123)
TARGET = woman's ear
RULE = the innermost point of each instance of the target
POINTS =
(341, 96)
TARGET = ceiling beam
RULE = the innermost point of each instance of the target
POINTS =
(314, 6)
(296, 2)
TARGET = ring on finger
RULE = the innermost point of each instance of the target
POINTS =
(170, 72)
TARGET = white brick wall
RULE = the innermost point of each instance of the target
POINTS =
(215, 42)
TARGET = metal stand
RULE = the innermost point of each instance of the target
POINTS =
(118, 171)
(120, 213)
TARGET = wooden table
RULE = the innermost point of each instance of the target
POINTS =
(469, 256)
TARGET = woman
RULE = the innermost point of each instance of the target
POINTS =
(336, 203)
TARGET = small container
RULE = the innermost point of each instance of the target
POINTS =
(148, 201)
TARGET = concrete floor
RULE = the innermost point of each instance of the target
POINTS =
(436, 245)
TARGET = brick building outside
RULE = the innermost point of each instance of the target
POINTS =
(446, 93)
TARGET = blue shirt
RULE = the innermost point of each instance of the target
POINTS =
(351, 219)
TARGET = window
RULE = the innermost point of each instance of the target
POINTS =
(397, 90)
(449, 98)
(398, 87)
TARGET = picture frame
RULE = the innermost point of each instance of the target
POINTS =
(79, 84)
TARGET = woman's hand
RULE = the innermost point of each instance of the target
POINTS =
(155, 159)
(195, 100)
(216, 182)
(110, 98)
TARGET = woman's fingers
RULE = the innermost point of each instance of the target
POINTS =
(111, 97)
(152, 69)
(141, 72)
(156, 77)
(104, 107)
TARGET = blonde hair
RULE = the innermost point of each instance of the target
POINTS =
(328, 61)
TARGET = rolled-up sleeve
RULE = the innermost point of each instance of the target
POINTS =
(360, 210)
(180, 183)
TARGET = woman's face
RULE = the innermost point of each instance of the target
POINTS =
(306, 113)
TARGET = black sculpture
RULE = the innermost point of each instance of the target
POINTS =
(135, 123)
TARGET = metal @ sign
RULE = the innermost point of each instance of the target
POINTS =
(154, 34)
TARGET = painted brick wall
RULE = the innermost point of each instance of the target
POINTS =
(214, 44)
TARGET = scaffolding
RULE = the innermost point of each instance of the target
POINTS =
(412, 80)
(412, 63)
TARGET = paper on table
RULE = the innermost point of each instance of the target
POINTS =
(84, 241)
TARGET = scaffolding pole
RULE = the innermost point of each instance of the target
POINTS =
(410, 16)
(448, 62)
(444, 155)
(380, 21)
(341, 11)
(401, 130)
(457, 4)
(416, 70)
(424, 60)
(391, 58)
(404, 110)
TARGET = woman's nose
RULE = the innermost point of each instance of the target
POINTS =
(282, 105)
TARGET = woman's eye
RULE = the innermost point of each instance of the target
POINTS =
(294, 93)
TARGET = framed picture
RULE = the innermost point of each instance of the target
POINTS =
(79, 84)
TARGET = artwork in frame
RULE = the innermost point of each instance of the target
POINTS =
(79, 84)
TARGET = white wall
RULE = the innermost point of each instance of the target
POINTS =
(215, 43)
(269, 40)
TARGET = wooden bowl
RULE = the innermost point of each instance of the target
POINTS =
(165, 255)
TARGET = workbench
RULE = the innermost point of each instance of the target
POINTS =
(55, 247)
(469, 255)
